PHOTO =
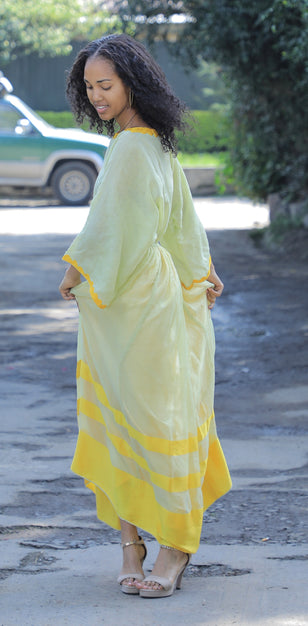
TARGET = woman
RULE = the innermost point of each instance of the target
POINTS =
(147, 442)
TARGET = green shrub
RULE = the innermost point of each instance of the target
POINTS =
(201, 159)
(208, 132)
(261, 48)
(275, 235)
(62, 119)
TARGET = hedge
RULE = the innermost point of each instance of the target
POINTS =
(208, 130)
(208, 133)
(62, 119)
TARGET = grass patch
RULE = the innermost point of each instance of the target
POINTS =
(203, 159)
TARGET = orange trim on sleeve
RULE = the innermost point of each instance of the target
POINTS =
(200, 280)
(94, 296)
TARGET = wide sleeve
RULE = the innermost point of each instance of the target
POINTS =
(122, 221)
(185, 237)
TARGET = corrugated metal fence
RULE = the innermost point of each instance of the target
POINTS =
(41, 81)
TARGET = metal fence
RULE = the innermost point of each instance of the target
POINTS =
(41, 81)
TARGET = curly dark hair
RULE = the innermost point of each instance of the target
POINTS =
(154, 99)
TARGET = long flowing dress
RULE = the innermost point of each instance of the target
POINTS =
(147, 443)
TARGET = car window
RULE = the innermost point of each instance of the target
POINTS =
(8, 118)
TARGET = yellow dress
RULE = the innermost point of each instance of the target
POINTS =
(147, 443)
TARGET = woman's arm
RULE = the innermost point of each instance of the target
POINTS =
(70, 280)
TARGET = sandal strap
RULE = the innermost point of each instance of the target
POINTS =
(134, 576)
(166, 583)
(136, 542)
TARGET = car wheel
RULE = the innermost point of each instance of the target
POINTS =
(73, 183)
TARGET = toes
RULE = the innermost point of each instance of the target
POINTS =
(150, 585)
(128, 581)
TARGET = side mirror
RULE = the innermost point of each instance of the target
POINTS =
(24, 127)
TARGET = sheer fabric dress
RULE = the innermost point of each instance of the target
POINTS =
(147, 443)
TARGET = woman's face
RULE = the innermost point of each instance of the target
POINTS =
(106, 91)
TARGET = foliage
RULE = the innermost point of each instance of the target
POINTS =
(282, 225)
(186, 155)
(59, 119)
(214, 95)
(48, 27)
(208, 133)
(262, 48)
(277, 233)
(201, 159)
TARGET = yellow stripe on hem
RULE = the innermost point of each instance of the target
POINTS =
(94, 296)
(171, 484)
(153, 444)
(121, 496)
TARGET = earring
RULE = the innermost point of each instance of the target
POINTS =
(130, 98)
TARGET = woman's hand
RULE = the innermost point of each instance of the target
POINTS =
(70, 280)
(216, 291)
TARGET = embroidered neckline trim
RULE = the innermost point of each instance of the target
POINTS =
(138, 129)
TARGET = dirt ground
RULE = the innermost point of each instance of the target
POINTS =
(261, 403)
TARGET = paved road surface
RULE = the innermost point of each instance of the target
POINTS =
(58, 563)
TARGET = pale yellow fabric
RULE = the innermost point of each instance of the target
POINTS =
(147, 442)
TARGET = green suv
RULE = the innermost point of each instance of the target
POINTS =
(36, 154)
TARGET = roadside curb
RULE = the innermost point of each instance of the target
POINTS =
(201, 181)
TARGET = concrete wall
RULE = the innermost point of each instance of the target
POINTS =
(202, 181)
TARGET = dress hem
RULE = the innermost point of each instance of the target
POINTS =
(117, 498)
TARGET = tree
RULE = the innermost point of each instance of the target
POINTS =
(48, 27)
(262, 49)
